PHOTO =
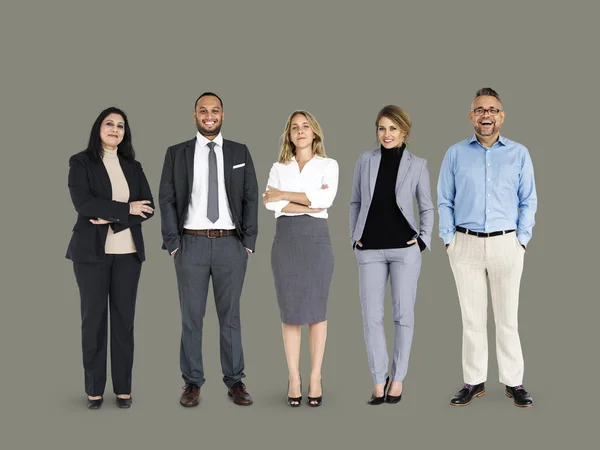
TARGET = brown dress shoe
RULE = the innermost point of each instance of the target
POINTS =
(240, 394)
(190, 395)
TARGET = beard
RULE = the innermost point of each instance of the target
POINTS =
(208, 133)
(489, 132)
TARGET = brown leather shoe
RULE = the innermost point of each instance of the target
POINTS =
(190, 395)
(240, 394)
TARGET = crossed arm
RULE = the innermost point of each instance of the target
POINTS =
(311, 201)
(297, 202)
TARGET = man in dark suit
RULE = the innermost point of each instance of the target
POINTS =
(208, 200)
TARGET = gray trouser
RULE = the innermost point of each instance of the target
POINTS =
(402, 265)
(224, 259)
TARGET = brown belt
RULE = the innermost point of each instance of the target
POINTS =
(210, 233)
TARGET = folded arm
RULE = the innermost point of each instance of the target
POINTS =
(89, 205)
(144, 194)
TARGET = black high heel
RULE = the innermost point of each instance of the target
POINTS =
(379, 400)
(394, 398)
(297, 400)
(318, 400)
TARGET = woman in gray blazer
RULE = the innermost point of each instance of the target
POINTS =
(388, 244)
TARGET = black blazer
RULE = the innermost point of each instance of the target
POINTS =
(176, 189)
(91, 193)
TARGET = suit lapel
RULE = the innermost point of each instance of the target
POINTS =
(129, 173)
(102, 174)
(190, 149)
(405, 163)
(227, 159)
(374, 169)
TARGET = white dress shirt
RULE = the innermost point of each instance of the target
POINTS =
(196, 217)
(315, 173)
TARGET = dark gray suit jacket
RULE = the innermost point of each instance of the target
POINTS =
(412, 181)
(176, 189)
(91, 193)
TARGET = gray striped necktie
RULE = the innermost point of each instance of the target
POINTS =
(212, 209)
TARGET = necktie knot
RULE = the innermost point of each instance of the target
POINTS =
(211, 145)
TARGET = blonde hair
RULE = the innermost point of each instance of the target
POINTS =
(398, 116)
(288, 149)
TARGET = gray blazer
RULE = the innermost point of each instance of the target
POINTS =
(412, 181)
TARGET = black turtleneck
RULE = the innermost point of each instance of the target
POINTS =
(386, 226)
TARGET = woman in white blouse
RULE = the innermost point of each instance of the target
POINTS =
(301, 186)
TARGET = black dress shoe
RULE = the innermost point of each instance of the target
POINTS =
(466, 394)
(520, 396)
(94, 404)
(124, 402)
(394, 398)
(379, 400)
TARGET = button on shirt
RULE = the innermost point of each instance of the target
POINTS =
(315, 173)
(196, 217)
(487, 189)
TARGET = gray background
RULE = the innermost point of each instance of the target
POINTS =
(63, 62)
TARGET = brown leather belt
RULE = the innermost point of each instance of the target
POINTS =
(210, 233)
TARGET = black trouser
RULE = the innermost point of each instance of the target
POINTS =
(113, 281)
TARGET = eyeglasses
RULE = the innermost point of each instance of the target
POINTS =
(480, 111)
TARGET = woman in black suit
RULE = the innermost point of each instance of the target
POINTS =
(112, 198)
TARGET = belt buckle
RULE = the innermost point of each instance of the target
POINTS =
(208, 234)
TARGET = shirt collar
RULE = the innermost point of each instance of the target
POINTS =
(202, 141)
(315, 156)
(501, 139)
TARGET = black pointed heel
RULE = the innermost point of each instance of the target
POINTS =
(392, 399)
(379, 400)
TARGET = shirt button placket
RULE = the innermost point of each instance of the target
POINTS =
(487, 186)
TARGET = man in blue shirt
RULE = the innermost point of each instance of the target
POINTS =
(487, 203)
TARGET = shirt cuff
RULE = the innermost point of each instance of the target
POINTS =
(448, 237)
(318, 199)
(276, 206)
(173, 252)
(523, 239)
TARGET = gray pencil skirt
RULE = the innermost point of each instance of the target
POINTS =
(302, 263)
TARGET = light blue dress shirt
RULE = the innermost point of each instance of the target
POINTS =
(487, 189)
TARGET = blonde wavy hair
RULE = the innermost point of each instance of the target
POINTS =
(288, 149)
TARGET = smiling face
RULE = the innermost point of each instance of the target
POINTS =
(112, 131)
(390, 136)
(209, 116)
(487, 116)
(301, 133)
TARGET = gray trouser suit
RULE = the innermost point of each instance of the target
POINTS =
(402, 266)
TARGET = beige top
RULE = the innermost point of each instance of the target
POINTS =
(122, 242)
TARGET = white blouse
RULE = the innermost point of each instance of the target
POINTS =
(315, 173)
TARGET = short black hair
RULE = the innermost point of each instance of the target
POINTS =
(208, 94)
(94, 148)
(487, 91)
